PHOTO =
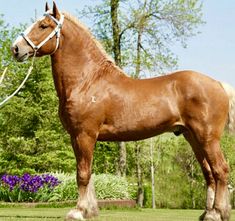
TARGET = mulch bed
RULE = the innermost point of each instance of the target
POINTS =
(101, 204)
(117, 203)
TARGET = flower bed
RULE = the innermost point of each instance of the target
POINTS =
(27, 187)
(60, 187)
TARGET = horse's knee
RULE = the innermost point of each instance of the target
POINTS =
(83, 177)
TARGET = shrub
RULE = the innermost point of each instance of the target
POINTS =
(147, 196)
(67, 190)
(111, 187)
(60, 187)
(107, 186)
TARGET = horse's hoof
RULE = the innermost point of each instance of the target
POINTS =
(201, 218)
(212, 216)
(74, 214)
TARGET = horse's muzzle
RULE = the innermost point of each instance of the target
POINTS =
(20, 53)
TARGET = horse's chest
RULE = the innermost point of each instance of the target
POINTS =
(74, 112)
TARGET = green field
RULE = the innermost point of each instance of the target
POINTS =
(58, 214)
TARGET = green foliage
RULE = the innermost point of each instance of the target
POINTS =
(228, 147)
(178, 182)
(67, 190)
(31, 135)
(147, 196)
(106, 157)
(160, 23)
(111, 187)
(107, 186)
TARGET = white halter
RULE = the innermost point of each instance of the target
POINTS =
(55, 32)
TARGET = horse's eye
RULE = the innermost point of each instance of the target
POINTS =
(43, 25)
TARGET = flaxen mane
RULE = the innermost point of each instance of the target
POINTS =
(74, 20)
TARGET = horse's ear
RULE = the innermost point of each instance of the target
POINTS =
(47, 7)
(55, 11)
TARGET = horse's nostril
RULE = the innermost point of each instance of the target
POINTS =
(15, 50)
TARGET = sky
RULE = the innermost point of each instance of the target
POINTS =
(212, 52)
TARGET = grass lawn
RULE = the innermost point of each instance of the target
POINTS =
(58, 214)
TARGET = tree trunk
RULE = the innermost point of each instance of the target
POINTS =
(138, 52)
(116, 32)
(140, 191)
(114, 4)
(192, 184)
(152, 172)
(122, 159)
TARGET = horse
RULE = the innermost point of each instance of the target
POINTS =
(99, 102)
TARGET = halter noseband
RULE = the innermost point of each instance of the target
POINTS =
(55, 32)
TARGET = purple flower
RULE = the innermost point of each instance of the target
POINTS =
(29, 183)
(10, 181)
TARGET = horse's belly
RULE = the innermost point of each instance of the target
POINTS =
(111, 133)
(136, 122)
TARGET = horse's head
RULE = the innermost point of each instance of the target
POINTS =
(41, 38)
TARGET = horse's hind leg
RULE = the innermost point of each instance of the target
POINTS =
(215, 169)
(220, 172)
(210, 181)
(87, 207)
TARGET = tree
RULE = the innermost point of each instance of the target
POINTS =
(114, 5)
(154, 24)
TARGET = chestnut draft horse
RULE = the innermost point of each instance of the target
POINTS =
(98, 102)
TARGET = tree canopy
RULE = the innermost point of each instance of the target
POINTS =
(160, 24)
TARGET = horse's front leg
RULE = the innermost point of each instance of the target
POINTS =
(87, 207)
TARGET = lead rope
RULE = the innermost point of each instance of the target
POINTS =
(22, 83)
(3, 75)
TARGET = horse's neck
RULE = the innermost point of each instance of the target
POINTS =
(77, 60)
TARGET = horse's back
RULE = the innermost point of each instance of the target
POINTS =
(137, 109)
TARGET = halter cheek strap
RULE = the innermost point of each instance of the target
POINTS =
(55, 32)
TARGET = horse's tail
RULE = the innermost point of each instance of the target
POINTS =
(231, 115)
